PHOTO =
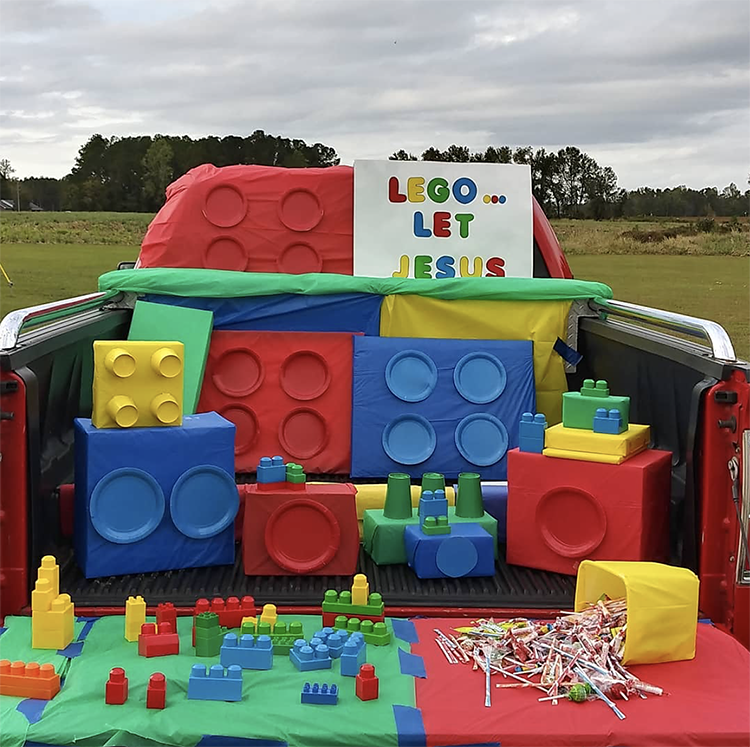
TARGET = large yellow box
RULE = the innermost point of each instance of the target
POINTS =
(626, 444)
(662, 603)
(137, 383)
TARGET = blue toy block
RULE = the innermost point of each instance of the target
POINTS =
(271, 469)
(140, 496)
(531, 432)
(216, 684)
(320, 694)
(248, 652)
(310, 657)
(432, 504)
(468, 551)
(608, 422)
(336, 643)
(447, 406)
(353, 656)
(323, 635)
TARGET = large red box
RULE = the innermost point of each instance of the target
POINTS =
(288, 393)
(562, 511)
(292, 532)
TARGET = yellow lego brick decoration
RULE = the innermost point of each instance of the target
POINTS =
(360, 590)
(137, 383)
(135, 616)
(626, 444)
(268, 615)
(585, 456)
(52, 615)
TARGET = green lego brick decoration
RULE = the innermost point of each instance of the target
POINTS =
(341, 604)
(383, 538)
(191, 327)
(579, 408)
(436, 525)
(294, 474)
(283, 635)
(209, 635)
(375, 633)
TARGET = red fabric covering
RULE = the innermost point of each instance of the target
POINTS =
(708, 702)
(255, 218)
(288, 393)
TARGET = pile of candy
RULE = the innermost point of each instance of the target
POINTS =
(578, 656)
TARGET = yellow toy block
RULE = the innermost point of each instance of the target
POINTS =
(135, 616)
(268, 615)
(585, 456)
(137, 383)
(52, 615)
(625, 444)
(360, 590)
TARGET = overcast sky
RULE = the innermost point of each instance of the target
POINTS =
(658, 89)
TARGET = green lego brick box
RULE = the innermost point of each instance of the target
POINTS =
(579, 408)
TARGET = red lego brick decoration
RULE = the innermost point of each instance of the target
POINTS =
(255, 219)
(288, 393)
(116, 690)
(156, 692)
(230, 612)
(29, 680)
(562, 511)
(166, 613)
(291, 532)
(164, 643)
(367, 684)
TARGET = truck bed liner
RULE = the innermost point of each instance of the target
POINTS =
(511, 587)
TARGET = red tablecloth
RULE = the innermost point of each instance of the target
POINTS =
(708, 702)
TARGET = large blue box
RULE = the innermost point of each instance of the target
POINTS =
(468, 551)
(448, 406)
(154, 499)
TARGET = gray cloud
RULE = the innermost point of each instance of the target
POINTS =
(657, 90)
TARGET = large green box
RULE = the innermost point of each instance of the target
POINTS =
(579, 408)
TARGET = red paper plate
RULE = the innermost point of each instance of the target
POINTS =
(225, 254)
(303, 433)
(238, 372)
(225, 206)
(572, 521)
(305, 375)
(246, 422)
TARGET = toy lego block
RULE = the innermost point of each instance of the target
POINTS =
(135, 616)
(376, 633)
(335, 643)
(271, 470)
(116, 689)
(308, 657)
(151, 643)
(467, 552)
(360, 589)
(191, 327)
(531, 432)
(216, 683)
(166, 613)
(282, 635)
(320, 694)
(295, 477)
(608, 421)
(269, 614)
(341, 604)
(209, 635)
(373, 495)
(30, 680)
(433, 504)
(52, 615)
(156, 691)
(231, 613)
(353, 656)
(248, 652)
(137, 384)
(367, 684)
(626, 444)
(579, 408)
(436, 525)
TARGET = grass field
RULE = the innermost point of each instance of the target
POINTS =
(50, 256)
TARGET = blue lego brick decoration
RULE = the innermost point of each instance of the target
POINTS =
(248, 652)
(448, 406)
(531, 432)
(335, 643)
(320, 694)
(354, 655)
(271, 469)
(309, 657)
(216, 684)
(432, 504)
(608, 421)
(468, 551)
(140, 496)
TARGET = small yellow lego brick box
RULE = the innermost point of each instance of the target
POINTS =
(137, 383)
(625, 444)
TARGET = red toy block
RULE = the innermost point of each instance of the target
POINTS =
(562, 511)
(230, 612)
(163, 643)
(156, 692)
(116, 690)
(255, 219)
(330, 617)
(166, 613)
(288, 394)
(30, 680)
(310, 533)
(366, 686)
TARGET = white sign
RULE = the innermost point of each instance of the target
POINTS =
(419, 219)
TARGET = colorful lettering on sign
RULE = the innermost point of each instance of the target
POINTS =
(445, 267)
(441, 226)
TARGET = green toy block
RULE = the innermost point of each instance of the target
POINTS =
(436, 525)
(579, 408)
(342, 604)
(283, 635)
(295, 475)
(209, 635)
(192, 327)
(375, 633)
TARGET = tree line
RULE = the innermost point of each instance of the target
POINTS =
(130, 174)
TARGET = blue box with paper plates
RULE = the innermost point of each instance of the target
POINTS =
(154, 499)
(448, 406)
(467, 552)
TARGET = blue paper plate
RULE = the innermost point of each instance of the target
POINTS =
(481, 439)
(126, 505)
(480, 378)
(204, 501)
(411, 375)
(456, 556)
(409, 439)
